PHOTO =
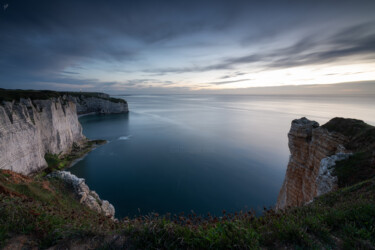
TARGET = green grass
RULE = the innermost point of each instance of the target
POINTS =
(361, 134)
(358, 167)
(347, 127)
(59, 162)
(48, 211)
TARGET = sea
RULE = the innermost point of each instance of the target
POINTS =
(201, 153)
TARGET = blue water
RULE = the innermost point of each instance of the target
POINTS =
(175, 153)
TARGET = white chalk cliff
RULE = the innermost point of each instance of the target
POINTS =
(31, 128)
(102, 105)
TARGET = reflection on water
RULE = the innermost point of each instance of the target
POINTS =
(176, 153)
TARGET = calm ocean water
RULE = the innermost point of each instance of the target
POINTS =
(175, 153)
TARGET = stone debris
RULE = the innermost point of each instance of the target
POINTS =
(86, 196)
(325, 181)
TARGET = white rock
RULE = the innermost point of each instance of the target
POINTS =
(325, 181)
(30, 129)
(86, 196)
(87, 105)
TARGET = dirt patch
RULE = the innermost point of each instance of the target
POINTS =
(46, 186)
(15, 177)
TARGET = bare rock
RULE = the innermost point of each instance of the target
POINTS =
(86, 196)
(326, 181)
(30, 129)
(100, 105)
(308, 172)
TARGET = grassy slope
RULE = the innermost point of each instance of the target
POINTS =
(47, 212)
(361, 165)
(10, 95)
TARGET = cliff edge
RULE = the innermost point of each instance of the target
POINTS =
(86, 102)
(34, 123)
(30, 129)
(97, 103)
(323, 157)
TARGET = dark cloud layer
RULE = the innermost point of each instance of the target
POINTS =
(43, 40)
(357, 40)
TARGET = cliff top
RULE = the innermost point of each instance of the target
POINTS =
(346, 126)
(361, 134)
(17, 94)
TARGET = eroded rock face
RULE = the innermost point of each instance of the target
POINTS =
(314, 150)
(326, 181)
(86, 196)
(29, 129)
(103, 105)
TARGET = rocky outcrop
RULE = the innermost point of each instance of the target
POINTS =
(86, 196)
(101, 104)
(326, 180)
(31, 128)
(314, 151)
(340, 153)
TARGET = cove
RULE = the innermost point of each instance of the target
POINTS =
(183, 153)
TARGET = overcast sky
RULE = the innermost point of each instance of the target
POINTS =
(184, 46)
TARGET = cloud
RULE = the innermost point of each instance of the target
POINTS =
(226, 82)
(358, 40)
(45, 38)
(64, 41)
(234, 74)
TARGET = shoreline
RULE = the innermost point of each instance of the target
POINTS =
(57, 162)
(94, 146)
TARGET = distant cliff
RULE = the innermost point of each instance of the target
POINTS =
(33, 123)
(98, 103)
(319, 157)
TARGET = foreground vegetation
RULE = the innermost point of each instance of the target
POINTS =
(60, 162)
(45, 212)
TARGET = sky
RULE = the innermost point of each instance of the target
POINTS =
(126, 47)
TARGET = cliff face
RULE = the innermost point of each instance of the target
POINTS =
(101, 104)
(315, 153)
(33, 123)
(29, 129)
